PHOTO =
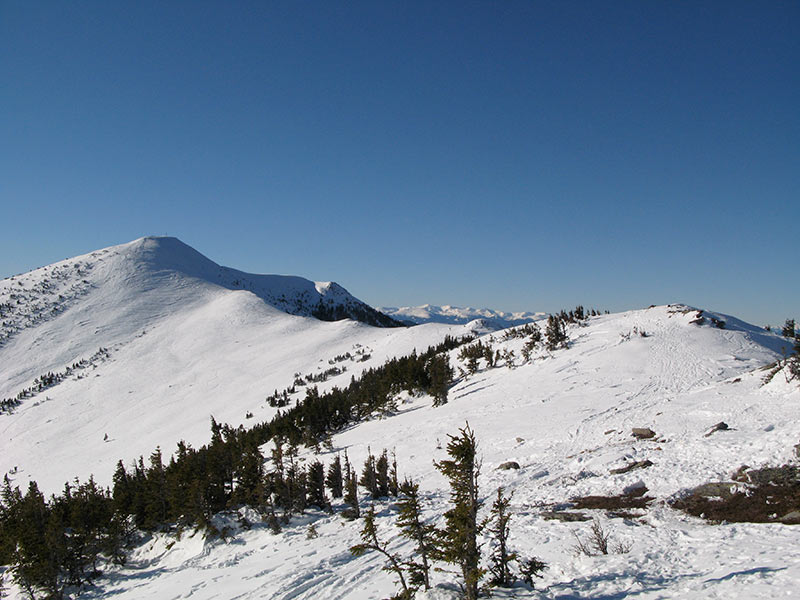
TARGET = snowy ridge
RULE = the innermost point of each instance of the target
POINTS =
(429, 313)
(565, 417)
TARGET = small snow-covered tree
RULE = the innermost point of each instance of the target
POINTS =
(458, 540)
(502, 556)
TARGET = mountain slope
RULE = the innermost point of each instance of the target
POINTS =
(565, 417)
(147, 340)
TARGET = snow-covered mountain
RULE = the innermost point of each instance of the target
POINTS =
(455, 315)
(143, 342)
(146, 341)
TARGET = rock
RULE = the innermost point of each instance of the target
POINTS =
(741, 474)
(639, 464)
(721, 426)
(635, 489)
(643, 433)
(564, 516)
(509, 465)
(520, 440)
(720, 489)
(797, 451)
(792, 518)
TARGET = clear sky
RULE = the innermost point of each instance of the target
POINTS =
(516, 155)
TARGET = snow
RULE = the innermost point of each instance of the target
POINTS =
(183, 348)
(429, 313)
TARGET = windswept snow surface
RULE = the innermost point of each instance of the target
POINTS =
(565, 417)
(455, 315)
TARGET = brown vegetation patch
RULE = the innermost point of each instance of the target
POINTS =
(634, 499)
(770, 495)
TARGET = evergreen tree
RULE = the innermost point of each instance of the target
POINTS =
(334, 479)
(502, 557)
(412, 526)
(394, 487)
(249, 473)
(788, 328)
(316, 486)
(370, 541)
(441, 376)
(382, 474)
(156, 509)
(350, 491)
(458, 541)
(123, 495)
(369, 476)
(555, 333)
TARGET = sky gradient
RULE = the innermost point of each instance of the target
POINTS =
(516, 155)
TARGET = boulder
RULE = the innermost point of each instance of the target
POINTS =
(643, 433)
(792, 518)
(721, 426)
(509, 465)
(639, 464)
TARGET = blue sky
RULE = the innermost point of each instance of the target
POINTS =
(517, 155)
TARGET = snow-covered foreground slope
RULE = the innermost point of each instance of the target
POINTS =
(456, 315)
(566, 419)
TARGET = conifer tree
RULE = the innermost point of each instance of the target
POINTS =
(370, 541)
(394, 487)
(369, 476)
(249, 473)
(788, 328)
(382, 474)
(441, 376)
(334, 479)
(501, 557)
(350, 491)
(316, 486)
(555, 333)
(458, 541)
(412, 526)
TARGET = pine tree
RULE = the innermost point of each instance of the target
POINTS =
(382, 474)
(440, 375)
(334, 479)
(316, 486)
(458, 541)
(156, 492)
(249, 472)
(502, 556)
(369, 476)
(350, 491)
(394, 487)
(412, 526)
(370, 541)
(788, 328)
(555, 333)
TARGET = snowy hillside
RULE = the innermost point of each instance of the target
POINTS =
(565, 417)
(454, 315)
(143, 342)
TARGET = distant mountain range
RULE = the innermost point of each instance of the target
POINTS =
(455, 315)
